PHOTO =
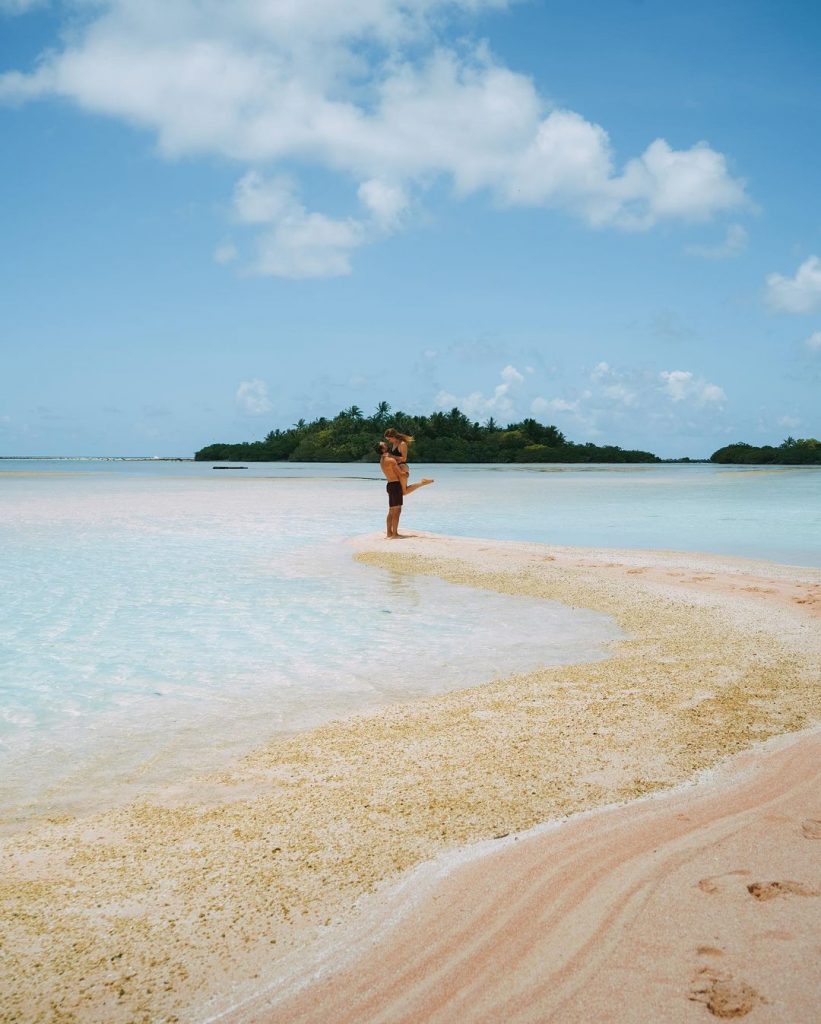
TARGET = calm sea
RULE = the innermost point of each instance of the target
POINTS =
(159, 616)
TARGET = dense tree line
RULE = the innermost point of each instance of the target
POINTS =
(441, 437)
(791, 452)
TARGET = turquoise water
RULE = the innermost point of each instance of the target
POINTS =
(159, 616)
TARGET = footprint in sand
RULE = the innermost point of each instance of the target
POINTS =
(711, 883)
(811, 828)
(771, 890)
(723, 995)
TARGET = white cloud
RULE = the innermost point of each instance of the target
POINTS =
(798, 294)
(296, 243)
(620, 393)
(682, 385)
(611, 386)
(813, 343)
(252, 397)
(510, 376)
(369, 89)
(309, 245)
(790, 422)
(386, 203)
(619, 398)
(261, 201)
(691, 184)
(677, 383)
(735, 242)
(601, 371)
(225, 253)
(476, 404)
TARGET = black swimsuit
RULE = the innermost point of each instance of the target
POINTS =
(394, 489)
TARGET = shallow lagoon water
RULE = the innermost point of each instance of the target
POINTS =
(160, 616)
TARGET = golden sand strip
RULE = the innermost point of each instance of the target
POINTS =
(180, 906)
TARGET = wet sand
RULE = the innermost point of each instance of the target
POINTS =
(185, 905)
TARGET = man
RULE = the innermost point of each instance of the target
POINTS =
(397, 487)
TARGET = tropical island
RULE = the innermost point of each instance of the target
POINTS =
(454, 437)
(791, 452)
(441, 437)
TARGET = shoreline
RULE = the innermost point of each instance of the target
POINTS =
(179, 906)
(473, 920)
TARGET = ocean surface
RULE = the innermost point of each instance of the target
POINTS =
(157, 617)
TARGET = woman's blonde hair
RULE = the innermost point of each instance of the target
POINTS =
(396, 436)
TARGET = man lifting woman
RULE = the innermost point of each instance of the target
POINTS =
(393, 461)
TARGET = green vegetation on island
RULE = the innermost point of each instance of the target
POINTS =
(441, 437)
(791, 452)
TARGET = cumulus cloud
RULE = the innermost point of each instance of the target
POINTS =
(612, 402)
(735, 242)
(368, 88)
(813, 343)
(296, 243)
(798, 294)
(477, 404)
(385, 202)
(252, 397)
(682, 385)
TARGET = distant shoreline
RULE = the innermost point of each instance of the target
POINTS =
(180, 458)
(95, 458)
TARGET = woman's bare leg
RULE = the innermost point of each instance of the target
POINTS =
(415, 487)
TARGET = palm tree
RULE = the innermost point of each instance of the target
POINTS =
(382, 411)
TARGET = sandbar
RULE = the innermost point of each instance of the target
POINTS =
(199, 901)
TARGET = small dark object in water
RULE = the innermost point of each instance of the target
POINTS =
(229, 467)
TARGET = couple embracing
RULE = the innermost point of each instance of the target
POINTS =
(393, 461)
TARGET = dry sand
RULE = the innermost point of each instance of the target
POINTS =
(700, 903)
(184, 905)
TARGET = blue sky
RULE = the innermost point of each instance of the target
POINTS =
(218, 218)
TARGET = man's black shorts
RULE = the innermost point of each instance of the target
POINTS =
(394, 489)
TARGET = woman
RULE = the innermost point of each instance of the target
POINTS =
(399, 449)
